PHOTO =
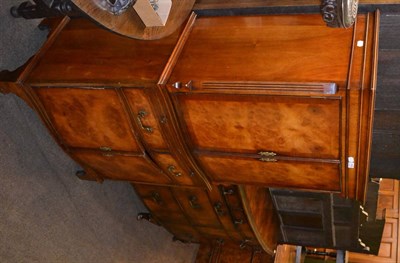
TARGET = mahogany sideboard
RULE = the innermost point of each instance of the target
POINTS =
(204, 121)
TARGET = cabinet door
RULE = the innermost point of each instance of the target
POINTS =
(88, 118)
(275, 140)
(310, 175)
(286, 125)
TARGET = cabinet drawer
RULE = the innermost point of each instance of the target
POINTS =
(213, 233)
(175, 171)
(145, 117)
(197, 207)
(288, 174)
(183, 232)
(237, 213)
(122, 167)
(88, 118)
(161, 203)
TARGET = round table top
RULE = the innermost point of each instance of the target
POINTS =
(129, 23)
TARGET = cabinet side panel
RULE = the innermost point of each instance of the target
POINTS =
(289, 48)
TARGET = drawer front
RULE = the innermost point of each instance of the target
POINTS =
(122, 167)
(222, 210)
(88, 118)
(237, 213)
(185, 233)
(287, 174)
(175, 171)
(145, 117)
(212, 233)
(161, 203)
(197, 207)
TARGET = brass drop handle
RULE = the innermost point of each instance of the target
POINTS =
(267, 156)
(106, 151)
(193, 202)
(227, 191)
(172, 170)
(244, 243)
(141, 114)
(238, 222)
(156, 198)
(218, 209)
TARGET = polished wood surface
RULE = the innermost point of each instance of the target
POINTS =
(258, 205)
(265, 68)
(241, 49)
(84, 119)
(141, 107)
(285, 254)
(196, 215)
(92, 55)
(130, 24)
(122, 167)
(301, 175)
(225, 103)
(288, 126)
(287, 116)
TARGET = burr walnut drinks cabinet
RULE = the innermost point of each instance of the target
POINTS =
(203, 122)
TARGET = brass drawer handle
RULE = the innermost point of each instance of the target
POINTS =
(172, 170)
(227, 191)
(156, 198)
(193, 202)
(244, 243)
(140, 116)
(218, 209)
(238, 222)
(267, 154)
(106, 151)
